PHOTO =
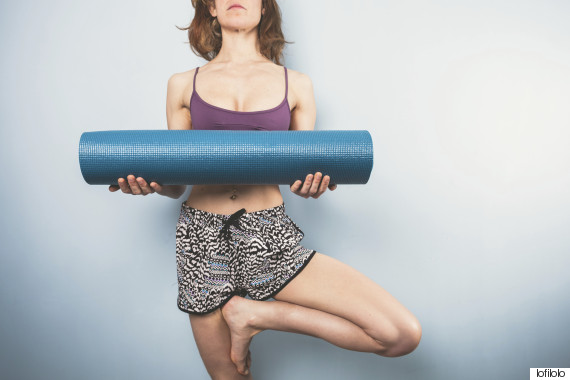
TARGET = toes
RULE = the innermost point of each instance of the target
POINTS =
(245, 369)
(248, 360)
(239, 363)
(234, 359)
(243, 365)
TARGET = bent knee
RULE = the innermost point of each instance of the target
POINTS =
(403, 341)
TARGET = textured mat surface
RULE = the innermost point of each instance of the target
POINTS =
(172, 157)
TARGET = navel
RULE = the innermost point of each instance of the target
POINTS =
(234, 191)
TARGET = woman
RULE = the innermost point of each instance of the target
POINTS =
(224, 254)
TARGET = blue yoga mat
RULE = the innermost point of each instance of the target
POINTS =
(189, 157)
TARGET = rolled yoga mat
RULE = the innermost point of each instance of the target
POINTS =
(189, 157)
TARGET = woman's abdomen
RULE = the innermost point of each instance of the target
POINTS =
(226, 199)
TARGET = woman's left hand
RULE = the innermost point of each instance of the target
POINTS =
(313, 186)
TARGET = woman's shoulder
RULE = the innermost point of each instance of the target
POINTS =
(180, 84)
(294, 74)
(182, 79)
(299, 80)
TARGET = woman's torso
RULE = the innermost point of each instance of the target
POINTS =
(255, 97)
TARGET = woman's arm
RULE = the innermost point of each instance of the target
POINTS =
(304, 114)
(177, 117)
(177, 114)
(303, 118)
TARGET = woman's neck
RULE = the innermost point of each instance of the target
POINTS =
(239, 47)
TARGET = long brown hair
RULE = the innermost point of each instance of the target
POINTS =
(205, 34)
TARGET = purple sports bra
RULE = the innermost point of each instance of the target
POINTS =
(207, 116)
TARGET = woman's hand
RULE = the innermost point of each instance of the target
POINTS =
(138, 187)
(313, 187)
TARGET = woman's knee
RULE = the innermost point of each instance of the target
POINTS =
(401, 340)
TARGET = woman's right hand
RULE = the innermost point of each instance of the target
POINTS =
(136, 187)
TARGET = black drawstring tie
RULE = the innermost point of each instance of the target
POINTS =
(233, 219)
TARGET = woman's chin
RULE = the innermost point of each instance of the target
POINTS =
(239, 26)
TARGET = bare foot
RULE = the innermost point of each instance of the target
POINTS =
(238, 315)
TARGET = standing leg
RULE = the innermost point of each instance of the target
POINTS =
(212, 337)
(330, 300)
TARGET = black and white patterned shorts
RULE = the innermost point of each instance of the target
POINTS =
(246, 253)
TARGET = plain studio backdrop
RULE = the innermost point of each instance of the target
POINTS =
(465, 218)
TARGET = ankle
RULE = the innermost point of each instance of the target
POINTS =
(265, 315)
(253, 321)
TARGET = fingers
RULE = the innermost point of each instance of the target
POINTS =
(145, 188)
(124, 186)
(156, 187)
(304, 191)
(324, 185)
(314, 189)
(313, 186)
(296, 185)
(134, 186)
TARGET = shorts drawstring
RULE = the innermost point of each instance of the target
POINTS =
(233, 219)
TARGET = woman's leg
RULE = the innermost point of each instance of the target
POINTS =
(328, 300)
(212, 337)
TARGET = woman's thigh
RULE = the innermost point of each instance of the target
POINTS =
(212, 336)
(329, 285)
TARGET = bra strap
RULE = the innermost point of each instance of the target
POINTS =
(194, 83)
(286, 82)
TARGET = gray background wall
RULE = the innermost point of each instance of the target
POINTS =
(465, 218)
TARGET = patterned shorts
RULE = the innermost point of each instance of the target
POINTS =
(245, 253)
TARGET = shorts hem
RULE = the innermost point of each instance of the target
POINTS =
(211, 309)
(290, 278)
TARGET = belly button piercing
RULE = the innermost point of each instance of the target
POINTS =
(234, 196)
